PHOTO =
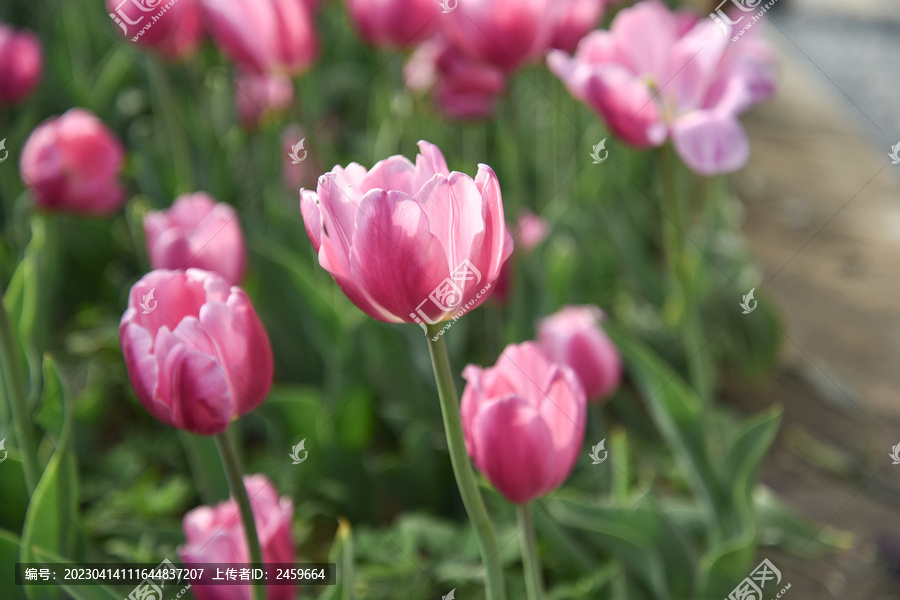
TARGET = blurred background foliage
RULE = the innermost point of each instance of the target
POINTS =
(675, 512)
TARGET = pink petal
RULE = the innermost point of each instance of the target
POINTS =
(711, 143)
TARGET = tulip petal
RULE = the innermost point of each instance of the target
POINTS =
(626, 103)
(312, 217)
(710, 142)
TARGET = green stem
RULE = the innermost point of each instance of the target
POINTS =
(682, 299)
(462, 468)
(13, 387)
(534, 583)
(239, 493)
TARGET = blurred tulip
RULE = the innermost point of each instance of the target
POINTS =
(498, 32)
(406, 241)
(197, 232)
(573, 337)
(657, 74)
(71, 163)
(215, 534)
(524, 421)
(260, 97)
(531, 230)
(398, 23)
(174, 31)
(571, 20)
(21, 64)
(264, 36)
(196, 352)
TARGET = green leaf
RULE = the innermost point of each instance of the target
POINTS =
(50, 519)
(780, 526)
(341, 554)
(78, 592)
(9, 556)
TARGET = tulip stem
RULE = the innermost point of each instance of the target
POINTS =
(534, 582)
(233, 472)
(462, 468)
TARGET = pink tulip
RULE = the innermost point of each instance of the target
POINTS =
(21, 64)
(571, 20)
(573, 337)
(197, 232)
(215, 534)
(398, 23)
(502, 33)
(71, 163)
(174, 31)
(524, 421)
(261, 97)
(264, 36)
(406, 241)
(531, 230)
(196, 352)
(657, 74)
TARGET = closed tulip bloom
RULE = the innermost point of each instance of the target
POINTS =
(21, 64)
(264, 36)
(409, 243)
(174, 34)
(197, 354)
(501, 33)
(658, 74)
(71, 163)
(531, 230)
(523, 421)
(262, 97)
(573, 337)
(398, 23)
(197, 232)
(215, 534)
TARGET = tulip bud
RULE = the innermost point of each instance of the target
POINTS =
(573, 337)
(523, 421)
(398, 23)
(21, 64)
(259, 97)
(197, 354)
(197, 232)
(215, 534)
(71, 163)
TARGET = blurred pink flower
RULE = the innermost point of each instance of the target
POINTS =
(196, 232)
(531, 230)
(215, 534)
(657, 74)
(573, 337)
(398, 23)
(260, 97)
(571, 20)
(21, 64)
(197, 354)
(524, 421)
(406, 241)
(264, 36)
(175, 34)
(71, 163)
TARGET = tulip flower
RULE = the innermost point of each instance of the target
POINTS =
(658, 74)
(571, 20)
(261, 96)
(21, 64)
(524, 421)
(409, 243)
(529, 233)
(214, 534)
(197, 232)
(264, 36)
(573, 337)
(71, 163)
(197, 354)
(397, 23)
(174, 31)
